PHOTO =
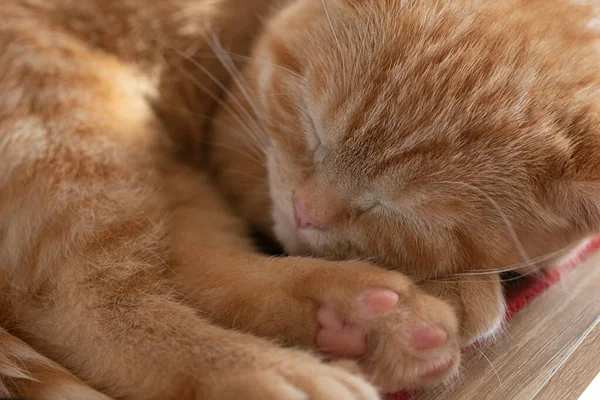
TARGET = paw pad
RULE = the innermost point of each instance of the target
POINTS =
(377, 301)
(428, 337)
(338, 338)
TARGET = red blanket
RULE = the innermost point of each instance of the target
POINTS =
(522, 291)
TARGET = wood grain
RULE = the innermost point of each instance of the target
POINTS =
(550, 350)
(576, 373)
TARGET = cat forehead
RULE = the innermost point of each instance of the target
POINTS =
(382, 83)
(466, 99)
(374, 132)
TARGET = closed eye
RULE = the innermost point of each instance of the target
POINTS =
(371, 204)
(384, 207)
(312, 135)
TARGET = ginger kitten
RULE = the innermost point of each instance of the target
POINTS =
(450, 141)
(424, 136)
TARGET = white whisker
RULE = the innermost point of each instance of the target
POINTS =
(251, 59)
(236, 101)
(505, 219)
(516, 266)
(335, 36)
(251, 155)
(247, 175)
(223, 104)
(238, 78)
(252, 152)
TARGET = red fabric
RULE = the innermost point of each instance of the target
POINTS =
(522, 291)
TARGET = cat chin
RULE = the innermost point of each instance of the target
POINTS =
(287, 234)
(293, 244)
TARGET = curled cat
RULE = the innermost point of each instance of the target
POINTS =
(443, 141)
(450, 141)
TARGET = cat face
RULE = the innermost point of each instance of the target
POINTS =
(433, 137)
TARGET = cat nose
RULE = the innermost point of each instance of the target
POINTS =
(305, 219)
(318, 204)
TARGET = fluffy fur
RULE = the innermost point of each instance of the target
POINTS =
(448, 140)
(440, 139)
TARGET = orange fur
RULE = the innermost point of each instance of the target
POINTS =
(418, 131)
(86, 232)
(446, 140)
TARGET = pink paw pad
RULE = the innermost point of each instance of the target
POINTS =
(377, 301)
(338, 338)
(428, 337)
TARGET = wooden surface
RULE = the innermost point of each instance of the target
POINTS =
(550, 350)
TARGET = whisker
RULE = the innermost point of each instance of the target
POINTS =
(558, 287)
(252, 152)
(222, 104)
(515, 266)
(247, 175)
(237, 103)
(491, 365)
(505, 219)
(251, 59)
(234, 72)
(515, 278)
(541, 277)
(335, 36)
(251, 155)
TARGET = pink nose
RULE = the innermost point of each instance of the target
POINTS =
(304, 219)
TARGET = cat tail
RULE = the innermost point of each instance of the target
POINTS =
(25, 373)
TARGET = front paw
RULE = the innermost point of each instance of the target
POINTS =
(291, 375)
(402, 337)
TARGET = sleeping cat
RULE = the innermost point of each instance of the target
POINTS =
(444, 141)
(450, 141)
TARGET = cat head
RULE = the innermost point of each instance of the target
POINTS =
(430, 136)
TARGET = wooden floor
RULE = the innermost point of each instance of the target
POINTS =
(549, 351)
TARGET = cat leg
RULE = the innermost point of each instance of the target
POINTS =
(401, 336)
(478, 300)
(84, 246)
(25, 373)
(87, 287)
(151, 347)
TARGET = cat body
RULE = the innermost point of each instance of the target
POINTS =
(355, 130)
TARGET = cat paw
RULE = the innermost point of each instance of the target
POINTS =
(402, 337)
(297, 378)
